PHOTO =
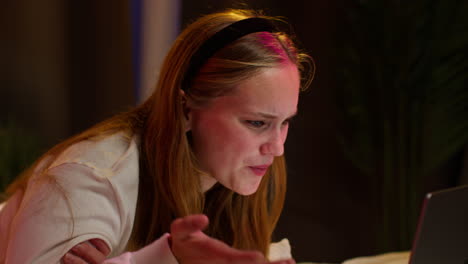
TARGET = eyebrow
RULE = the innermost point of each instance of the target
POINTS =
(271, 116)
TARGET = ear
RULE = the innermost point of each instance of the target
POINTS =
(186, 110)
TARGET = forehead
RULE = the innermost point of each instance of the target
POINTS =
(274, 91)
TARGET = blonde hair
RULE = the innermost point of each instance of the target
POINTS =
(168, 167)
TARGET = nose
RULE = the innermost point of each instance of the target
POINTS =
(274, 145)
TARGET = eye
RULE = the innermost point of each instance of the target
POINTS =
(286, 122)
(255, 123)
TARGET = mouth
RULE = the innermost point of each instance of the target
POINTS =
(259, 170)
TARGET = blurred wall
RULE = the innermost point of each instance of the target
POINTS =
(65, 65)
(34, 68)
(159, 27)
(100, 77)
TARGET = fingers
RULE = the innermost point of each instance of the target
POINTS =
(182, 228)
(69, 258)
(101, 246)
(87, 252)
(221, 251)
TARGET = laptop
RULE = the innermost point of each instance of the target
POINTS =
(442, 233)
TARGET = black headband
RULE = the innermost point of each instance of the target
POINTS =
(222, 38)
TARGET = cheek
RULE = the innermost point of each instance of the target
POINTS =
(234, 142)
(240, 144)
(219, 142)
(236, 149)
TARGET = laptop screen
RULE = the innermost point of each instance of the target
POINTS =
(442, 233)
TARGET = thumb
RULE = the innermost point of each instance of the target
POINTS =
(182, 228)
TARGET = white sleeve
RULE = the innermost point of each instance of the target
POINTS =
(69, 205)
(280, 250)
(157, 252)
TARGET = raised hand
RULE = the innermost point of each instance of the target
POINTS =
(191, 246)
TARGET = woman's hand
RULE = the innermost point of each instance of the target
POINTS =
(191, 246)
(93, 251)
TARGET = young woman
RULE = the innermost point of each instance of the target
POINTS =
(208, 144)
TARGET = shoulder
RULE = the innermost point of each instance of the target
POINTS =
(95, 183)
(104, 154)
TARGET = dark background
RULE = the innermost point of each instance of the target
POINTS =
(66, 65)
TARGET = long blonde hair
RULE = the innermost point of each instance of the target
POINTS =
(168, 167)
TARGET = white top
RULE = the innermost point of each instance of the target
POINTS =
(92, 194)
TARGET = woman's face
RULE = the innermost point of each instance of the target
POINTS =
(236, 136)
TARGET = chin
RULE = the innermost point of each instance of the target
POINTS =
(246, 191)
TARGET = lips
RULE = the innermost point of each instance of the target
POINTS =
(259, 170)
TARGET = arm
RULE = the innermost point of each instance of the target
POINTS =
(70, 205)
(158, 251)
(190, 246)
